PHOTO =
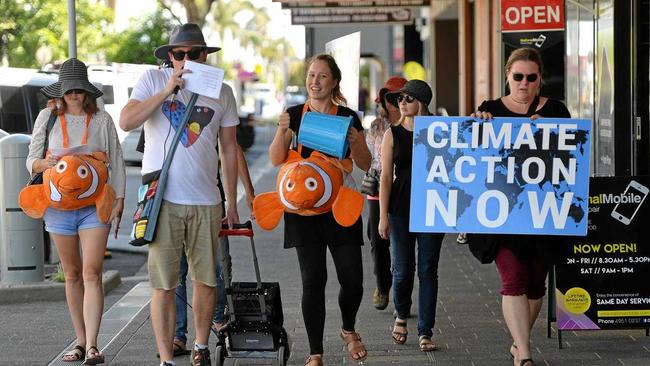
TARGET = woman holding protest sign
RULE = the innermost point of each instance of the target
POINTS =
(522, 260)
(394, 206)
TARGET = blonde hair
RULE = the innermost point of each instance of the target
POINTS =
(383, 113)
(422, 111)
(524, 54)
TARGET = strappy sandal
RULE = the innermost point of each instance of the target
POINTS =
(93, 357)
(399, 337)
(426, 344)
(314, 360)
(512, 355)
(354, 345)
(525, 361)
(179, 348)
(200, 357)
(74, 355)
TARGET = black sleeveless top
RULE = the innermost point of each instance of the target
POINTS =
(552, 108)
(318, 230)
(400, 193)
(524, 246)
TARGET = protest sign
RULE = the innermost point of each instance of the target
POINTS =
(504, 176)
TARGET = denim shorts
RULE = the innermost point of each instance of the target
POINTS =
(70, 222)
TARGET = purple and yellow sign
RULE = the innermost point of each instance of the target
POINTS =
(602, 278)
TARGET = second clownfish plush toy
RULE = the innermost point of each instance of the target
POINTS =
(76, 181)
(309, 187)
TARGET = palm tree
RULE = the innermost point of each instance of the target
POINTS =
(195, 10)
(224, 14)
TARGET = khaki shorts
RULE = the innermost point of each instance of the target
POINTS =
(196, 226)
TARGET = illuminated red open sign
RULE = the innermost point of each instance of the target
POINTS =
(527, 15)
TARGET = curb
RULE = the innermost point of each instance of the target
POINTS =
(49, 290)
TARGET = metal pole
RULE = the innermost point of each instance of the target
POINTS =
(72, 29)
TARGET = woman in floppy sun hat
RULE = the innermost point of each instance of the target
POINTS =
(72, 75)
(73, 102)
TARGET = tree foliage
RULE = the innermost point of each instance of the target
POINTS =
(29, 25)
(26, 25)
(137, 43)
(195, 10)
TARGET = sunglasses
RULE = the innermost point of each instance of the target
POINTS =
(392, 99)
(403, 97)
(75, 91)
(519, 77)
(192, 54)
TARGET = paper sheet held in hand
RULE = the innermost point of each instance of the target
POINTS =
(203, 80)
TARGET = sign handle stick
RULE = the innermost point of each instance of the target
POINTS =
(551, 302)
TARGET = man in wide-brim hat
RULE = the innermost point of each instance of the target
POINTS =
(192, 203)
(184, 35)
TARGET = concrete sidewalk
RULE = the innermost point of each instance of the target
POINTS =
(469, 326)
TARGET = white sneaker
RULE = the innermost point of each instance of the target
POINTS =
(462, 238)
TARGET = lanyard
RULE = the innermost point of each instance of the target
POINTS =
(333, 110)
(64, 130)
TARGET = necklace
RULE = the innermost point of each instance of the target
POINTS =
(311, 106)
(516, 101)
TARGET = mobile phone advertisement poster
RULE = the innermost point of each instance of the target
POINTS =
(501, 176)
(602, 279)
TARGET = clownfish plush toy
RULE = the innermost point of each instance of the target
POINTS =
(76, 181)
(309, 187)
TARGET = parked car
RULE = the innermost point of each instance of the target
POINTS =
(118, 81)
(20, 99)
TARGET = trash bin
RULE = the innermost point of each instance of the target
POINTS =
(21, 237)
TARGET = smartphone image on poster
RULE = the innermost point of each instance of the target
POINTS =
(625, 212)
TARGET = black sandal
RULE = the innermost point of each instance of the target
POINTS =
(93, 358)
(74, 355)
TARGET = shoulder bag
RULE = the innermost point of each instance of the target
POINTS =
(38, 177)
(150, 193)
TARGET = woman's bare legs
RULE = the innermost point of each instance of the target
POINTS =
(67, 246)
(93, 243)
(535, 305)
(517, 313)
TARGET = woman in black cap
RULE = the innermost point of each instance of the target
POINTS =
(73, 102)
(394, 207)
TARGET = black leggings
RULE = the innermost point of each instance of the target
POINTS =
(380, 249)
(313, 270)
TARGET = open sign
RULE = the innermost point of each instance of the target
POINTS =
(517, 15)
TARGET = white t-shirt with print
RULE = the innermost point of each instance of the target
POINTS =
(192, 177)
